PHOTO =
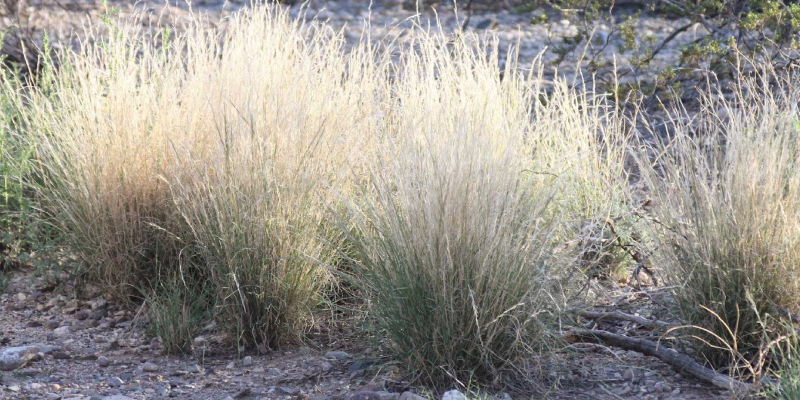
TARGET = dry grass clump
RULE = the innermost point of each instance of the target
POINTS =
(473, 189)
(579, 143)
(727, 191)
(293, 117)
(204, 160)
(453, 237)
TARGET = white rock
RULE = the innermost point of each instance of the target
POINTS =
(62, 331)
(149, 367)
(411, 396)
(247, 361)
(16, 357)
(454, 395)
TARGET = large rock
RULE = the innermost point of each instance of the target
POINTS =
(365, 395)
(338, 355)
(411, 396)
(16, 357)
(454, 395)
(62, 332)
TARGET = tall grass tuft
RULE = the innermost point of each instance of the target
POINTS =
(201, 158)
(453, 236)
(786, 370)
(293, 116)
(727, 196)
(175, 316)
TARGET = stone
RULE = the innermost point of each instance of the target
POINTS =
(47, 349)
(676, 391)
(17, 357)
(61, 355)
(247, 361)
(82, 315)
(52, 324)
(149, 367)
(489, 23)
(384, 395)
(103, 361)
(195, 369)
(338, 355)
(454, 395)
(628, 374)
(288, 390)
(117, 397)
(21, 297)
(98, 304)
(358, 366)
(115, 382)
(326, 366)
(97, 315)
(365, 395)
(62, 331)
(34, 324)
(411, 396)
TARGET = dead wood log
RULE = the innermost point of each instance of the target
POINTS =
(680, 362)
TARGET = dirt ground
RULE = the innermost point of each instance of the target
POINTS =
(89, 349)
(65, 21)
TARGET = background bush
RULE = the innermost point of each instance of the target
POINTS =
(727, 189)
(720, 29)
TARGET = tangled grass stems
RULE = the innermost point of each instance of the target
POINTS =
(727, 192)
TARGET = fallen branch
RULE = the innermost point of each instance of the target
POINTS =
(680, 362)
(621, 316)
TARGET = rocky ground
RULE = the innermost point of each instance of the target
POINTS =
(57, 343)
(66, 20)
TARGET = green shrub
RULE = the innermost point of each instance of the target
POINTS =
(787, 371)
(176, 316)
(713, 33)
